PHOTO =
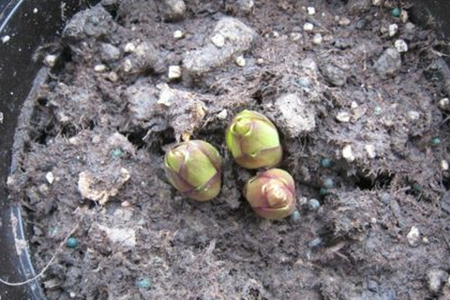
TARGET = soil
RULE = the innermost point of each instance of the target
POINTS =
(364, 131)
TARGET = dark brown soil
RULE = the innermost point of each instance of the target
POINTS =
(381, 231)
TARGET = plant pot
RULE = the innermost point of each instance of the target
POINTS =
(24, 26)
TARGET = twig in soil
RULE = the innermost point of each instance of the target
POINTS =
(50, 262)
(438, 53)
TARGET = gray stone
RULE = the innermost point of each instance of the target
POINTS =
(109, 53)
(93, 22)
(142, 99)
(436, 279)
(389, 63)
(296, 116)
(238, 38)
(334, 75)
(173, 10)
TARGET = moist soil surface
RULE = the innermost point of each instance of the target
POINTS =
(364, 129)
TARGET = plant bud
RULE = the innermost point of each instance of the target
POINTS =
(194, 169)
(253, 141)
(271, 194)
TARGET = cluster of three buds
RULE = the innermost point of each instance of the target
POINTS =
(194, 167)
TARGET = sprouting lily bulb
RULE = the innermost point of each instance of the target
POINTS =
(194, 169)
(271, 194)
(253, 141)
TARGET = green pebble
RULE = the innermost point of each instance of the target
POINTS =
(323, 191)
(117, 153)
(435, 141)
(328, 183)
(295, 216)
(326, 162)
(72, 243)
(396, 12)
(143, 283)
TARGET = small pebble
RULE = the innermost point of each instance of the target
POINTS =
(377, 110)
(323, 192)
(404, 16)
(72, 295)
(50, 178)
(127, 66)
(314, 204)
(443, 165)
(5, 39)
(413, 115)
(347, 153)
(343, 117)
(326, 162)
(275, 34)
(295, 36)
(396, 12)
(125, 203)
(174, 72)
(240, 61)
(311, 10)
(178, 34)
(143, 283)
(50, 60)
(393, 29)
(113, 77)
(413, 237)
(370, 150)
(376, 2)
(35, 11)
(328, 183)
(259, 61)
(129, 47)
(344, 21)
(444, 103)
(308, 27)
(72, 243)
(222, 115)
(315, 242)
(43, 188)
(218, 40)
(116, 153)
(295, 216)
(354, 105)
(436, 141)
(317, 39)
(100, 68)
(401, 46)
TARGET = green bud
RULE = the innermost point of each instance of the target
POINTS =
(271, 194)
(253, 141)
(194, 169)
